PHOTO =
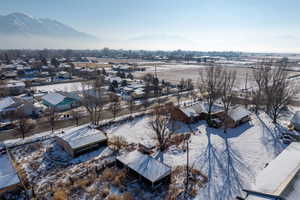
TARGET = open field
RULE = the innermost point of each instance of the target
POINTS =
(174, 73)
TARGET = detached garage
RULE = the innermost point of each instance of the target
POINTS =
(9, 179)
(81, 139)
(145, 166)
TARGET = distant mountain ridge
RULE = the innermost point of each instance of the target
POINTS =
(20, 24)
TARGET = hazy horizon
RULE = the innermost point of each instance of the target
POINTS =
(248, 26)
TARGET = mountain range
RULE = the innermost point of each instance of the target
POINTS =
(19, 24)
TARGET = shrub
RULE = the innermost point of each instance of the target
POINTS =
(118, 142)
(60, 195)
(108, 174)
(115, 197)
(127, 196)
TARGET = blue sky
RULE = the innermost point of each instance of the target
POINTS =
(246, 25)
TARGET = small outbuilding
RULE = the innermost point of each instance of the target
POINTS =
(296, 121)
(237, 116)
(150, 169)
(81, 139)
(9, 179)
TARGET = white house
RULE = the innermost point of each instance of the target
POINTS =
(11, 104)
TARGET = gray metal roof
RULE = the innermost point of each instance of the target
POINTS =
(238, 113)
(145, 165)
(296, 118)
(8, 174)
(82, 136)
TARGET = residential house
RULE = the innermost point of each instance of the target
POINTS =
(9, 105)
(61, 101)
(194, 112)
(12, 87)
(280, 179)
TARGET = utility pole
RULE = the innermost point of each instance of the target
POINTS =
(187, 167)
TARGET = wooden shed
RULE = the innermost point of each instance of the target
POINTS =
(146, 167)
(81, 139)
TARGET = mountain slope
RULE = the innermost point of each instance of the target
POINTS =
(19, 24)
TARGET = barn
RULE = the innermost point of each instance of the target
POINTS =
(81, 139)
(9, 179)
(146, 167)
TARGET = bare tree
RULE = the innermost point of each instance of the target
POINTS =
(259, 77)
(52, 117)
(115, 104)
(76, 114)
(279, 91)
(211, 82)
(93, 99)
(24, 125)
(159, 124)
(131, 104)
(227, 93)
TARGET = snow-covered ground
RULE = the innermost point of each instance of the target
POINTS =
(65, 87)
(230, 160)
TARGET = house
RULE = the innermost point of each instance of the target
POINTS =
(237, 116)
(296, 121)
(146, 167)
(61, 101)
(81, 139)
(9, 179)
(280, 179)
(12, 87)
(64, 75)
(194, 112)
(9, 105)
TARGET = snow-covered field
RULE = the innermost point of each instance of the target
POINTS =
(65, 87)
(230, 160)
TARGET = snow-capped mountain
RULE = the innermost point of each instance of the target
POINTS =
(19, 24)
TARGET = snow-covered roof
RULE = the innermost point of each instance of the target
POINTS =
(238, 113)
(145, 165)
(296, 118)
(282, 176)
(8, 174)
(54, 98)
(82, 136)
(198, 108)
(6, 102)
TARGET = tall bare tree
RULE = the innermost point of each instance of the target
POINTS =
(278, 90)
(52, 117)
(131, 104)
(159, 124)
(227, 93)
(115, 104)
(93, 99)
(24, 125)
(76, 114)
(259, 75)
(211, 82)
